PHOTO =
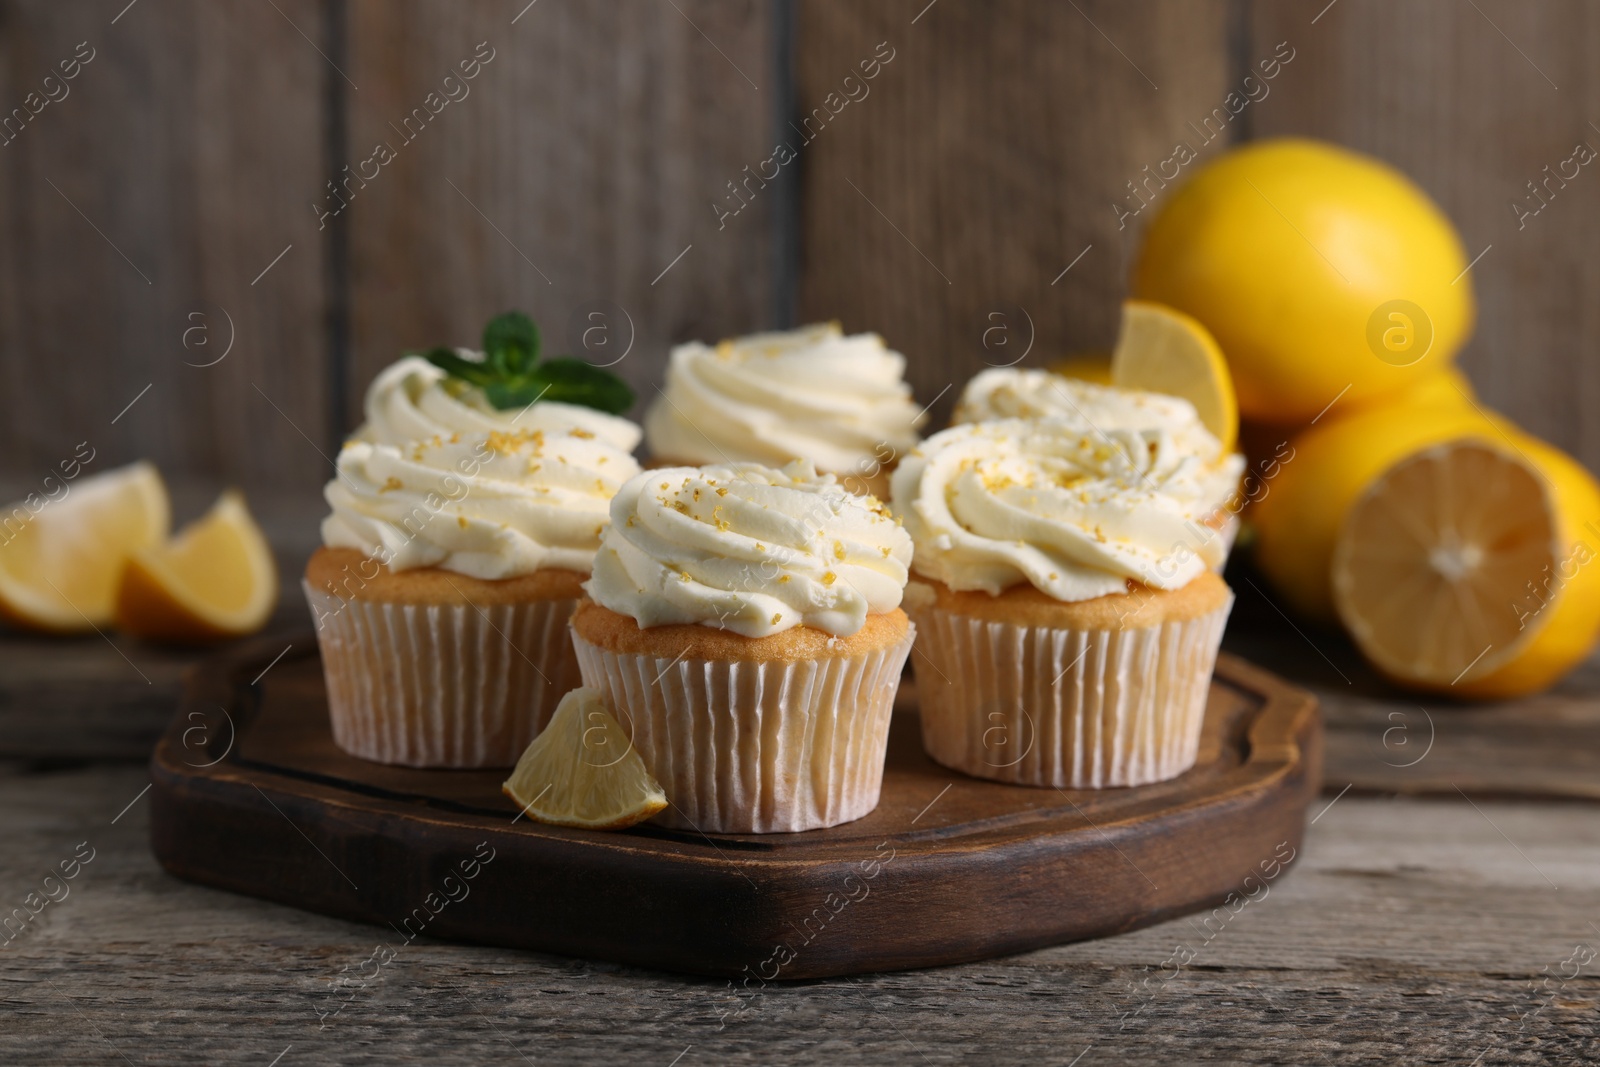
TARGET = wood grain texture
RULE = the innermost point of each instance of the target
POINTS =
(171, 173)
(109, 697)
(941, 209)
(580, 163)
(1474, 101)
(1410, 931)
(976, 868)
(1383, 739)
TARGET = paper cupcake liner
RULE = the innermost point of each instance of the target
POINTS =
(755, 747)
(442, 685)
(1075, 709)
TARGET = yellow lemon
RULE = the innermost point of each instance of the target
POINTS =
(1265, 443)
(1445, 386)
(1473, 567)
(62, 558)
(584, 771)
(213, 581)
(1300, 508)
(1085, 366)
(1161, 350)
(1319, 271)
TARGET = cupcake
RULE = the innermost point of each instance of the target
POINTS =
(1067, 610)
(460, 534)
(1022, 393)
(744, 624)
(771, 398)
(1017, 393)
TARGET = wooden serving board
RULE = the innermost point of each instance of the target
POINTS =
(251, 794)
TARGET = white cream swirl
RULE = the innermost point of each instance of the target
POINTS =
(1016, 393)
(812, 393)
(1076, 514)
(412, 400)
(749, 549)
(489, 505)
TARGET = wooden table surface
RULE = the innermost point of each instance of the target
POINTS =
(1445, 909)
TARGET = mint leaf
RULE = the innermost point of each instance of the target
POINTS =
(511, 343)
(506, 394)
(466, 369)
(512, 376)
(572, 381)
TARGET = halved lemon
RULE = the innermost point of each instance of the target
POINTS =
(1302, 502)
(1162, 350)
(61, 556)
(583, 771)
(1473, 568)
(213, 581)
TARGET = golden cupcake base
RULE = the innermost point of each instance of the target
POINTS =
(1106, 693)
(432, 669)
(751, 735)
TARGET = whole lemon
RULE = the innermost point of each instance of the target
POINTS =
(1441, 387)
(1320, 271)
(1304, 496)
(1264, 442)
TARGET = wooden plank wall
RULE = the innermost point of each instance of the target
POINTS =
(168, 174)
(1474, 101)
(998, 142)
(943, 209)
(567, 177)
(583, 163)
(935, 201)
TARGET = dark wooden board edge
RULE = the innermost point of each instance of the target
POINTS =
(722, 912)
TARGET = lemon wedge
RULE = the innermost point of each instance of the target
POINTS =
(583, 771)
(1473, 568)
(61, 558)
(1161, 350)
(213, 581)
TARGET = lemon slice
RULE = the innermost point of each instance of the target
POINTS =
(213, 581)
(1161, 350)
(1467, 568)
(61, 558)
(583, 771)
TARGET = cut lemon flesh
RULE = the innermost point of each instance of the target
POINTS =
(1461, 568)
(583, 771)
(1303, 501)
(213, 581)
(61, 558)
(1161, 350)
